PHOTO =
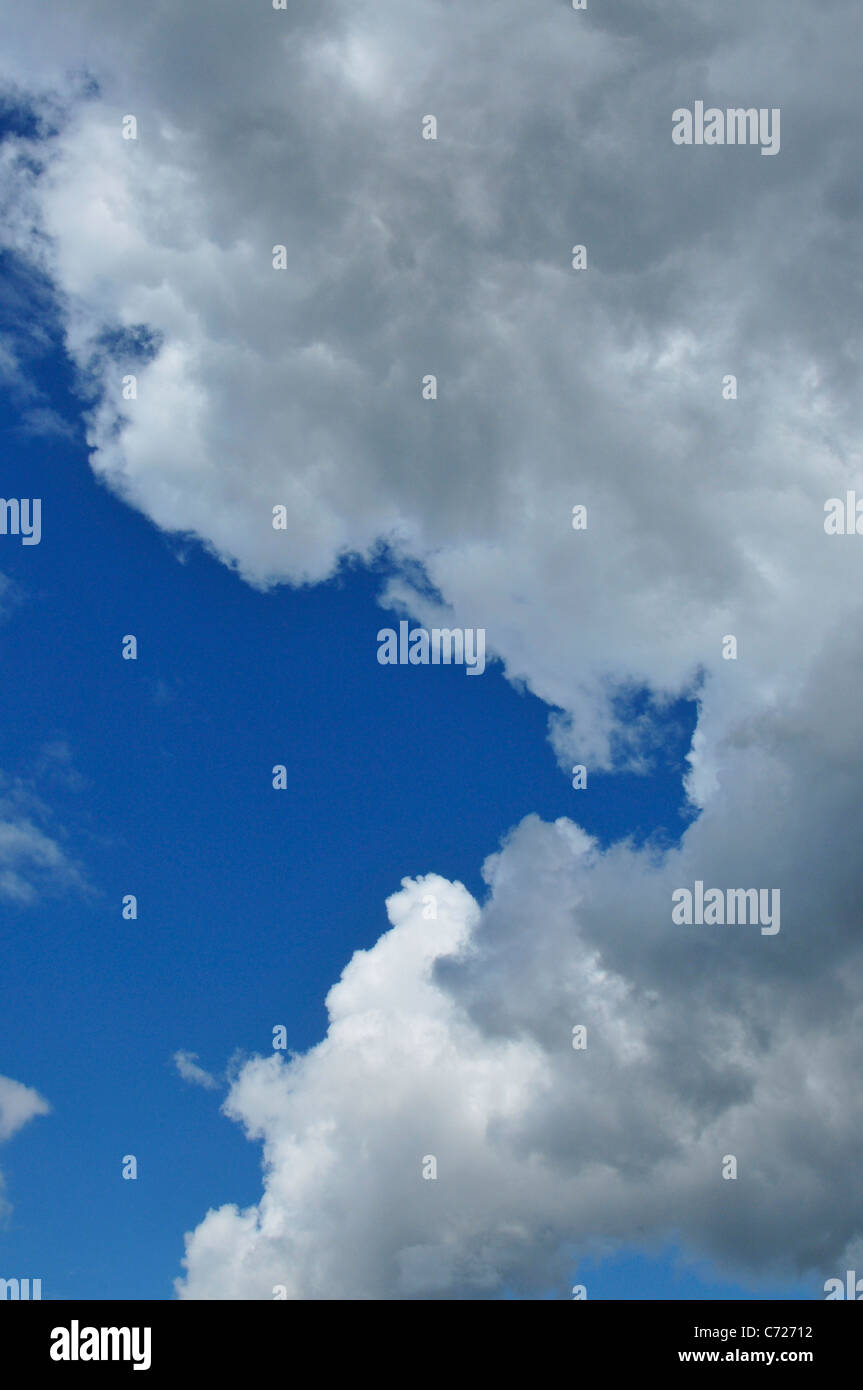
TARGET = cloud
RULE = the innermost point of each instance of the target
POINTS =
(18, 1106)
(44, 422)
(33, 862)
(30, 861)
(33, 866)
(406, 256)
(187, 1065)
(556, 387)
(453, 1038)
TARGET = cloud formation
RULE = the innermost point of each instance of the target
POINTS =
(453, 1038)
(556, 387)
(406, 256)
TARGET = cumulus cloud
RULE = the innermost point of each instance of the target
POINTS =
(556, 387)
(452, 1039)
(405, 257)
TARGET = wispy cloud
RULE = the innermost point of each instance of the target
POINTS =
(187, 1065)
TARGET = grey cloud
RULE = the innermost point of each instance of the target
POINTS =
(556, 387)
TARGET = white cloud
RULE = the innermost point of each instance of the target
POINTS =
(408, 256)
(33, 862)
(453, 1037)
(18, 1106)
(187, 1065)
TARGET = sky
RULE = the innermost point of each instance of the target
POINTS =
(429, 907)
